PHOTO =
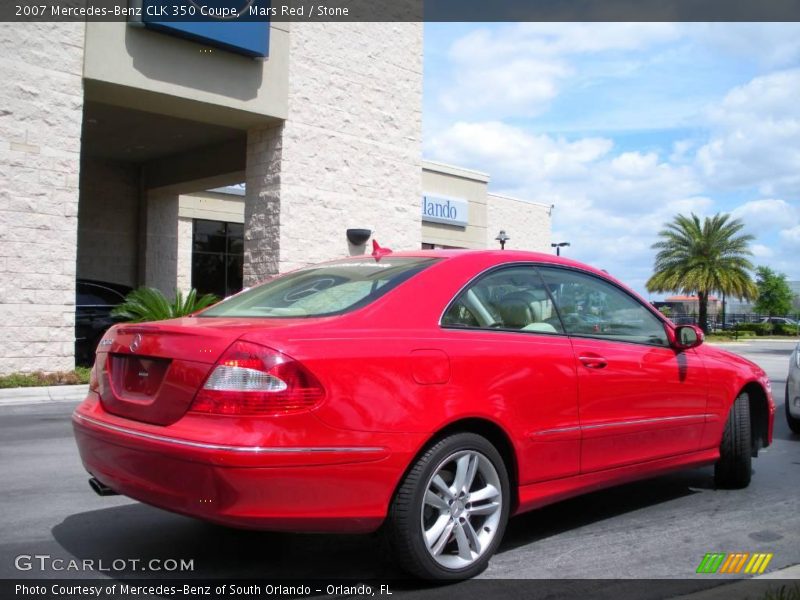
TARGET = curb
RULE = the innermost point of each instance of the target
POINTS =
(40, 395)
(752, 588)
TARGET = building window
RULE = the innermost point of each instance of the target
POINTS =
(217, 257)
(429, 246)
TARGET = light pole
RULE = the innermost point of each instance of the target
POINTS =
(558, 247)
(502, 238)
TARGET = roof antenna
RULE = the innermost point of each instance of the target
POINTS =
(377, 251)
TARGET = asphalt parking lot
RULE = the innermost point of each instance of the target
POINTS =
(659, 528)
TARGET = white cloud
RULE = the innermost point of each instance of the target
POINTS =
(755, 139)
(634, 165)
(791, 237)
(614, 193)
(518, 70)
(520, 86)
(555, 169)
(609, 206)
(766, 214)
(681, 151)
(762, 251)
(502, 148)
(554, 39)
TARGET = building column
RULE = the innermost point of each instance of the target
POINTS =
(185, 243)
(41, 113)
(348, 154)
(161, 245)
(262, 203)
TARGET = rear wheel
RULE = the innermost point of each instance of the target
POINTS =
(450, 512)
(733, 470)
(794, 422)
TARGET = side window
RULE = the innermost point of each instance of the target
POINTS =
(592, 307)
(512, 299)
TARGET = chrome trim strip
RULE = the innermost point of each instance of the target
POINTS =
(556, 430)
(205, 446)
(623, 423)
(653, 420)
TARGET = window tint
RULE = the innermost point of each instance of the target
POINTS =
(592, 307)
(513, 298)
(322, 290)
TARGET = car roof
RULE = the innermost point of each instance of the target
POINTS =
(500, 256)
(505, 256)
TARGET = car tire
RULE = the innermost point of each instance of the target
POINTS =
(733, 470)
(794, 422)
(441, 525)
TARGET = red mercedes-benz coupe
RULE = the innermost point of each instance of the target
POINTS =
(429, 394)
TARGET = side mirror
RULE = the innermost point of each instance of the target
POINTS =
(687, 336)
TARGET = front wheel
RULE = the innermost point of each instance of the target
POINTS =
(450, 512)
(733, 470)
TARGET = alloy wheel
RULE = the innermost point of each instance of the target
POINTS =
(461, 510)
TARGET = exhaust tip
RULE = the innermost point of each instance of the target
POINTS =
(101, 489)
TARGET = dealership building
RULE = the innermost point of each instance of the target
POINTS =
(181, 155)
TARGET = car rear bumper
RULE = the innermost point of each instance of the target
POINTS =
(309, 487)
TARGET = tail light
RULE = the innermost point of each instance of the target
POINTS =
(251, 379)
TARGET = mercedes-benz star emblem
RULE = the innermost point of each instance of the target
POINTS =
(136, 342)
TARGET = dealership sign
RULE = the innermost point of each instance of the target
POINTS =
(234, 25)
(450, 211)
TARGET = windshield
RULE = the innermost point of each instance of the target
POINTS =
(322, 290)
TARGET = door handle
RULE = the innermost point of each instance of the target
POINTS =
(593, 361)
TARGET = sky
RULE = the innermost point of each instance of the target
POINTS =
(622, 126)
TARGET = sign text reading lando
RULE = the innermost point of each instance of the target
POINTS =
(451, 211)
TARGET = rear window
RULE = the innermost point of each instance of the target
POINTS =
(322, 290)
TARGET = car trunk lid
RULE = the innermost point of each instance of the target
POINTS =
(151, 372)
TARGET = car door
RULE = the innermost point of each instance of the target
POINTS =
(639, 398)
(506, 346)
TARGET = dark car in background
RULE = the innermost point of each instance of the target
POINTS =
(779, 321)
(94, 301)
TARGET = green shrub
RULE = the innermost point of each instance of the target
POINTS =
(38, 378)
(767, 329)
(785, 329)
(149, 304)
(755, 328)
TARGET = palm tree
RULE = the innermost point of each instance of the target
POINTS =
(150, 304)
(697, 257)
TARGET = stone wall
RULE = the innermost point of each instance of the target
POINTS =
(526, 223)
(108, 222)
(41, 109)
(349, 153)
